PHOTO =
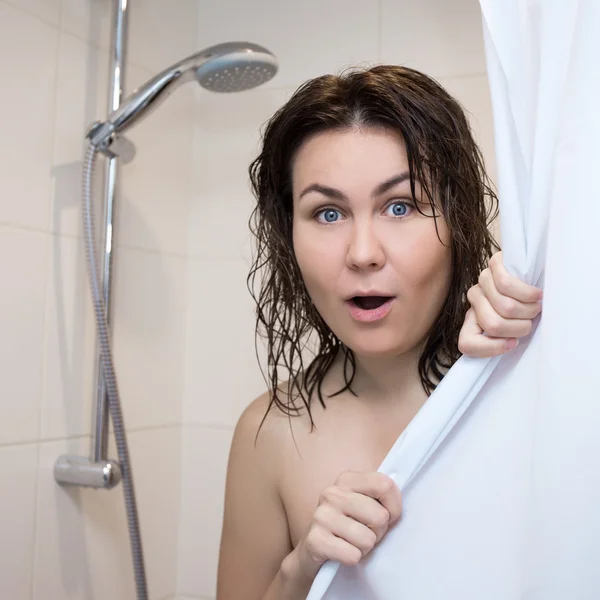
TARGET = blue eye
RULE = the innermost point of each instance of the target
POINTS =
(399, 209)
(329, 214)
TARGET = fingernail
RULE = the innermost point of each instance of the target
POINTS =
(541, 296)
(512, 343)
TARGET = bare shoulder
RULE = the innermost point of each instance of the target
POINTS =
(255, 537)
(267, 426)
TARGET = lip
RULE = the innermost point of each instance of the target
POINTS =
(369, 316)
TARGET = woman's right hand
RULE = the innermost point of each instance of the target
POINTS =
(351, 518)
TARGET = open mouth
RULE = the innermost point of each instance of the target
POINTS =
(369, 302)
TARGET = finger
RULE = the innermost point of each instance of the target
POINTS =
(354, 532)
(506, 307)
(343, 552)
(322, 544)
(377, 486)
(367, 511)
(491, 322)
(511, 286)
(472, 342)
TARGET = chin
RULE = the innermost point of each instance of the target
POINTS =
(377, 348)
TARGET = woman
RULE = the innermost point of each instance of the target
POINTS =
(372, 230)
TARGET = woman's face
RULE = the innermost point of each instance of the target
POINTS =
(357, 232)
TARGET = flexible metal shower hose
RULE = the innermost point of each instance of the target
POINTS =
(110, 379)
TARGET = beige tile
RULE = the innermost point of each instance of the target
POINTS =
(310, 38)
(435, 36)
(205, 453)
(82, 546)
(69, 344)
(222, 375)
(82, 97)
(90, 21)
(163, 32)
(160, 32)
(156, 460)
(28, 108)
(227, 135)
(23, 277)
(150, 297)
(153, 209)
(47, 10)
(18, 466)
(81, 535)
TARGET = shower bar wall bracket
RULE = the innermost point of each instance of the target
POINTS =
(83, 472)
(112, 145)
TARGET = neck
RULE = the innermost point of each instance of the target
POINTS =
(386, 379)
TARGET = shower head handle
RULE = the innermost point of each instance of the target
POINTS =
(142, 101)
(231, 66)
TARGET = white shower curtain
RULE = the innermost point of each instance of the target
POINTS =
(501, 467)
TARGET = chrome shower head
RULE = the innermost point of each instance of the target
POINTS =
(237, 68)
(228, 67)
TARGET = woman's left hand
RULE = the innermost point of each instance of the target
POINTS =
(502, 307)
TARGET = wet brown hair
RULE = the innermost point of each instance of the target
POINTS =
(442, 156)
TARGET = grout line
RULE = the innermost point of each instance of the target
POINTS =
(83, 436)
(42, 441)
(48, 255)
(34, 562)
(33, 15)
(71, 236)
(144, 428)
(26, 228)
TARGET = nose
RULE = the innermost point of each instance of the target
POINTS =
(365, 251)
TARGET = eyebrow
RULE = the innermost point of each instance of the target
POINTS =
(335, 194)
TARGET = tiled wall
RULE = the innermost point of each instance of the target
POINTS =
(58, 544)
(310, 38)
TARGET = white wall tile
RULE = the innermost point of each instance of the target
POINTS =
(18, 466)
(28, 124)
(69, 344)
(47, 10)
(437, 37)
(227, 134)
(222, 373)
(150, 295)
(89, 20)
(82, 545)
(156, 460)
(23, 277)
(82, 549)
(160, 32)
(310, 38)
(81, 98)
(153, 209)
(205, 453)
